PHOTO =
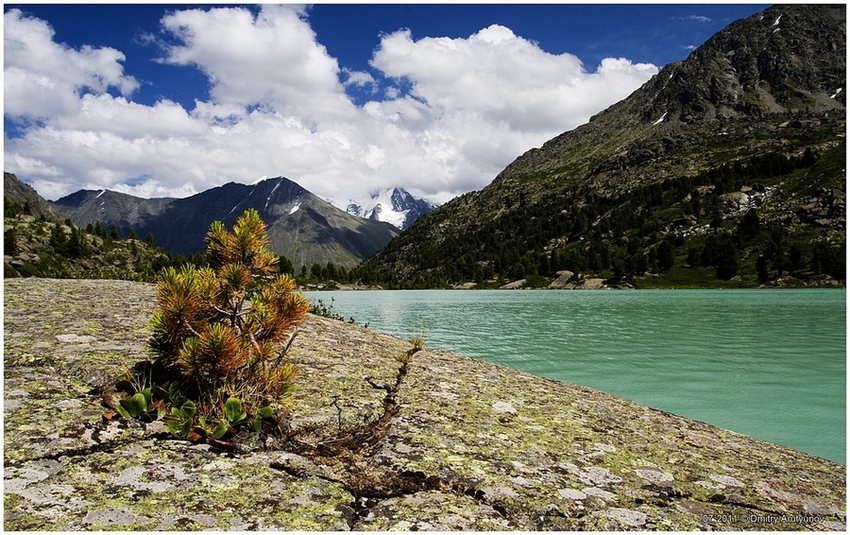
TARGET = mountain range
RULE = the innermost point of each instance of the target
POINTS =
(301, 226)
(727, 166)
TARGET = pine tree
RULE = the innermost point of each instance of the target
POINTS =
(726, 260)
(10, 242)
(762, 269)
(285, 265)
(225, 328)
(666, 256)
(750, 225)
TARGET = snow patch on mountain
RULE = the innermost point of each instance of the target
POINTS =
(272, 193)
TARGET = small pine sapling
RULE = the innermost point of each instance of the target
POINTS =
(224, 329)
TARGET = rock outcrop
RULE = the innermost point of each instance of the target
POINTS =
(474, 446)
(17, 192)
(564, 278)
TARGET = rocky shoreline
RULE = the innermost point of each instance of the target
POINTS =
(474, 446)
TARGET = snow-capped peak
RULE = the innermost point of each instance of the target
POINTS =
(395, 206)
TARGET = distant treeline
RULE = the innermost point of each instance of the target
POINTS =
(68, 244)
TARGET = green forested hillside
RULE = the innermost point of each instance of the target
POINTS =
(735, 221)
(35, 247)
(727, 169)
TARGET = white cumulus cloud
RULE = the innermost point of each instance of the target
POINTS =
(445, 115)
(271, 59)
(42, 78)
(506, 79)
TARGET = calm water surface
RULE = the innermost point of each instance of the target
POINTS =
(770, 364)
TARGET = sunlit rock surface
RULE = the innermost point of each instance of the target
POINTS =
(475, 446)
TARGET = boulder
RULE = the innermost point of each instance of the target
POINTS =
(464, 286)
(564, 278)
(593, 284)
(737, 201)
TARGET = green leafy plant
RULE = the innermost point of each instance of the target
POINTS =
(263, 413)
(326, 311)
(132, 407)
(209, 431)
(181, 420)
(233, 411)
(137, 398)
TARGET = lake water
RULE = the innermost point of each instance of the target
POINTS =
(766, 363)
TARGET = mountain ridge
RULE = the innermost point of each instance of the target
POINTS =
(300, 225)
(40, 241)
(756, 90)
(20, 197)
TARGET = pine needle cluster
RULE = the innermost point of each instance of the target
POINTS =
(225, 329)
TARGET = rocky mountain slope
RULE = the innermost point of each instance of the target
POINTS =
(20, 198)
(395, 206)
(474, 446)
(727, 166)
(301, 226)
(38, 248)
(40, 241)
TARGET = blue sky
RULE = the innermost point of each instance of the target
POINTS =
(345, 99)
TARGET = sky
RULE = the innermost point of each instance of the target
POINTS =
(159, 100)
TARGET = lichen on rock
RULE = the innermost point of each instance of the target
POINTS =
(472, 446)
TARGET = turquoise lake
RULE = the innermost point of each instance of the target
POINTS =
(766, 363)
